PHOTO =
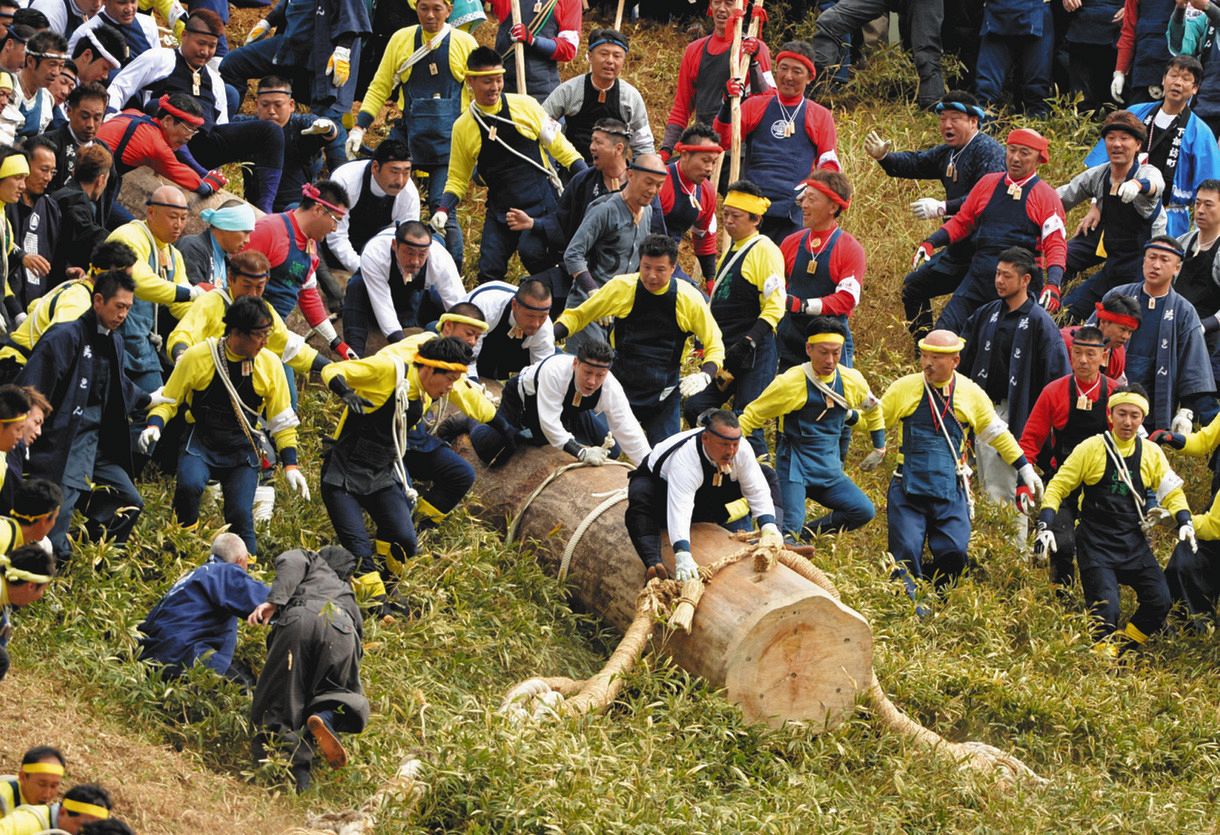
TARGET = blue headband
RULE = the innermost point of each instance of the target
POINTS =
(1165, 246)
(230, 219)
(614, 41)
(968, 109)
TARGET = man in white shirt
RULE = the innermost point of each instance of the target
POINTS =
(65, 16)
(519, 327)
(569, 403)
(704, 474)
(406, 279)
(381, 194)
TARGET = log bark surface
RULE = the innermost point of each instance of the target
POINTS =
(141, 182)
(781, 647)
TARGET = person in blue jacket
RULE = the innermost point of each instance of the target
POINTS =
(1192, 31)
(1179, 144)
(1017, 36)
(196, 620)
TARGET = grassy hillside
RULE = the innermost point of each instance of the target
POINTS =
(1132, 747)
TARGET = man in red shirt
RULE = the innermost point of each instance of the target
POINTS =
(1117, 317)
(688, 196)
(550, 31)
(290, 242)
(1067, 411)
(705, 70)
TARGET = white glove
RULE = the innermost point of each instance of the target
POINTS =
(339, 65)
(412, 495)
(594, 456)
(258, 32)
(813, 307)
(928, 208)
(322, 127)
(1116, 85)
(355, 138)
(296, 480)
(46, 546)
(148, 439)
(1186, 533)
(438, 221)
(158, 398)
(771, 537)
(875, 146)
(1155, 516)
(196, 291)
(1129, 190)
(20, 317)
(1156, 91)
(684, 566)
(1044, 546)
(1183, 422)
(873, 460)
(692, 384)
(1030, 479)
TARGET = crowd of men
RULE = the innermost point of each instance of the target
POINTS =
(1057, 370)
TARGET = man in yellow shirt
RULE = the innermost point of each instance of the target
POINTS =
(509, 137)
(747, 302)
(81, 805)
(813, 402)
(1116, 471)
(427, 65)
(38, 780)
(929, 496)
(231, 387)
(653, 315)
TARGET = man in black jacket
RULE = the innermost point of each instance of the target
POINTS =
(82, 206)
(86, 107)
(86, 445)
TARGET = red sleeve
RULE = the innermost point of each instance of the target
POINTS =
(148, 147)
(1118, 362)
(847, 266)
(962, 223)
(1126, 36)
(763, 60)
(501, 9)
(567, 17)
(666, 195)
(270, 238)
(702, 234)
(820, 125)
(1049, 413)
(1043, 208)
(789, 246)
(684, 96)
(751, 114)
(312, 308)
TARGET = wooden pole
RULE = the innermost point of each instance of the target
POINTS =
(618, 16)
(735, 102)
(781, 647)
(519, 50)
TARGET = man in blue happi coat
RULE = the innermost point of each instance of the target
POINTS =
(197, 618)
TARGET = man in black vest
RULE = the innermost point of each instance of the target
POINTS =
(86, 108)
(381, 194)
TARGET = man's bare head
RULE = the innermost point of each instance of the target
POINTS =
(167, 213)
(939, 354)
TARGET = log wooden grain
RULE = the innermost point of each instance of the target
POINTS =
(781, 647)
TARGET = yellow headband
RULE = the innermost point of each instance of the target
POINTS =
(14, 165)
(440, 364)
(29, 519)
(832, 338)
(16, 575)
(459, 319)
(485, 73)
(1128, 397)
(15, 418)
(43, 768)
(924, 345)
(747, 202)
(78, 807)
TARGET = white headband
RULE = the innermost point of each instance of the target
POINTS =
(101, 50)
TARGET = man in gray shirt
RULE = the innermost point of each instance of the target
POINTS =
(607, 242)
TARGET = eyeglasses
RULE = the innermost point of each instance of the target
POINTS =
(336, 218)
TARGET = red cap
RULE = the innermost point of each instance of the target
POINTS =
(1030, 139)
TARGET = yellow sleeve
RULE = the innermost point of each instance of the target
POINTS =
(464, 147)
(528, 113)
(1154, 470)
(461, 44)
(1085, 465)
(974, 408)
(1203, 443)
(471, 399)
(149, 286)
(10, 535)
(192, 373)
(857, 392)
(785, 394)
(695, 316)
(178, 309)
(204, 318)
(290, 347)
(1207, 525)
(271, 384)
(901, 399)
(763, 266)
(72, 304)
(615, 298)
(396, 51)
(373, 378)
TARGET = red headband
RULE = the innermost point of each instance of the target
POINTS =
(1117, 318)
(1030, 139)
(180, 115)
(708, 148)
(834, 196)
(310, 192)
(796, 56)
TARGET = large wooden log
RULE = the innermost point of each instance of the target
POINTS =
(781, 647)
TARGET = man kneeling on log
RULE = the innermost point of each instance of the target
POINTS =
(568, 403)
(700, 475)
